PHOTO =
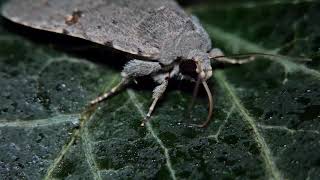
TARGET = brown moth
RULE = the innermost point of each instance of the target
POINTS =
(158, 34)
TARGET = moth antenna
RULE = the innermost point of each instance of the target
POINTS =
(210, 99)
(251, 56)
(195, 93)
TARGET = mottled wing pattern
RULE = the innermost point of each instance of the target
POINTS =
(134, 26)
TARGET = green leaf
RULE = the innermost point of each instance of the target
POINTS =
(266, 118)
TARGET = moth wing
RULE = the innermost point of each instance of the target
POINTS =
(115, 23)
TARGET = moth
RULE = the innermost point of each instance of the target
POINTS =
(158, 34)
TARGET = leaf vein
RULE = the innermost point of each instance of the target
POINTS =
(85, 116)
(284, 128)
(87, 148)
(271, 167)
(62, 153)
(136, 103)
(62, 118)
(216, 135)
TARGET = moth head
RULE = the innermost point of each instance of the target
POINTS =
(201, 68)
(202, 64)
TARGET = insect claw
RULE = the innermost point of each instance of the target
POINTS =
(145, 120)
(93, 102)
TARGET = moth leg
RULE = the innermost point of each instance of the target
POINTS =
(158, 91)
(217, 54)
(114, 90)
(134, 68)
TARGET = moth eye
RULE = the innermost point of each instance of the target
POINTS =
(188, 68)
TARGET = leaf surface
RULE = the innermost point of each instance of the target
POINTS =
(266, 118)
